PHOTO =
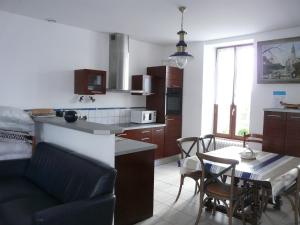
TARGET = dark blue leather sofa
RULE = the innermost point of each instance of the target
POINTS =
(56, 187)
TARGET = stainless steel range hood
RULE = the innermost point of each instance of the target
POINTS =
(118, 80)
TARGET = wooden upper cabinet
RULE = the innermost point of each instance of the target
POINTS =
(292, 140)
(174, 77)
(89, 82)
(274, 132)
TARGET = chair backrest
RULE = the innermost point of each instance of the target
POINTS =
(209, 177)
(256, 138)
(208, 142)
(186, 145)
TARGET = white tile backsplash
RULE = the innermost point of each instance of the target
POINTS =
(106, 116)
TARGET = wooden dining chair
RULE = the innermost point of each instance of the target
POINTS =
(187, 147)
(208, 142)
(256, 138)
(212, 186)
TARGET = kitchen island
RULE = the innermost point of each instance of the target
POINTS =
(92, 139)
(135, 181)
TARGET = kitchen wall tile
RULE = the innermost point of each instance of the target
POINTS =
(92, 113)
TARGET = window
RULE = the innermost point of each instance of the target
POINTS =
(234, 73)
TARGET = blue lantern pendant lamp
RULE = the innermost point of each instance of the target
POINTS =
(181, 57)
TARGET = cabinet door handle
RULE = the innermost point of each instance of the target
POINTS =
(97, 92)
(170, 119)
(295, 117)
(145, 131)
(175, 86)
(122, 135)
(158, 130)
(145, 139)
(271, 115)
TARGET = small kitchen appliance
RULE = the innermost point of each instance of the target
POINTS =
(143, 116)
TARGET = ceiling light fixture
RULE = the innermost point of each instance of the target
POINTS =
(181, 57)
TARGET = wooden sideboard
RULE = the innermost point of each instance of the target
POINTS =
(282, 132)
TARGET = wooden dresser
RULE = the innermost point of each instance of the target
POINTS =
(282, 131)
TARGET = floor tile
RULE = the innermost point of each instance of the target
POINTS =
(185, 210)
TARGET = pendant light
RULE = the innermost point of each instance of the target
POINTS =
(181, 57)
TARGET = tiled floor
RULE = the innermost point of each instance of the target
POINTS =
(184, 211)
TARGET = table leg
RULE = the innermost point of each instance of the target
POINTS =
(256, 204)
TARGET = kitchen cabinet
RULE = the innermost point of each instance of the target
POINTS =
(172, 133)
(149, 135)
(89, 82)
(158, 139)
(134, 187)
(174, 77)
(163, 79)
(282, 133)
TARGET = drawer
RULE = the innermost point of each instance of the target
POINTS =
(275, 115)
(138, 135)
(293, 116)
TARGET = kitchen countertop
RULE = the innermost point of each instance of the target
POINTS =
(126, 146)
(132, 126)
(283, 110)
(81, 125)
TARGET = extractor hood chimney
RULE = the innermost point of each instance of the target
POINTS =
(118, 63)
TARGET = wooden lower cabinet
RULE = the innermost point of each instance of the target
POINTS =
(164, 137)
(292, 140)
(274, 132)
(282, 133)
(158, 135)
(172, 133)
(134, 187)
(150, 135)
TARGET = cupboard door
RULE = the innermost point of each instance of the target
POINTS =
(174, 77)
(134, 187)
(292, 141)
(274, 132)
(158, 139)
(172, 133)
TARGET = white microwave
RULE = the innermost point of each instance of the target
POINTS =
(143, 116)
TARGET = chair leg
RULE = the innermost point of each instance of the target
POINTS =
(180, 187)
(200, 208)
(214, 208)
(230, 213)
(196, 187)
(296, 206)
(243, 211)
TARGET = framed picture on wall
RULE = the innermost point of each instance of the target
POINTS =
(278, 61)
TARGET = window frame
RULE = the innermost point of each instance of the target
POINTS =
(233, 106)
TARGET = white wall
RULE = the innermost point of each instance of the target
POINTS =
(192, 90)
(37, 60)
(261, 93)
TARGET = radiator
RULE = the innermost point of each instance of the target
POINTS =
(222, 143)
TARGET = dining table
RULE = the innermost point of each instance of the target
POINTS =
(276, 171)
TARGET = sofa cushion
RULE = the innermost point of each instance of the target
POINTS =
(20, 211)
(69, 176)
(16, 187)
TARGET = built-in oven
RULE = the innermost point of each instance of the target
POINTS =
(174, 101)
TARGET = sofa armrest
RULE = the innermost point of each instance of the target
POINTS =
(15, 167)
(96, 211)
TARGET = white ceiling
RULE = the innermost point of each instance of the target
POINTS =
(158, 20)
